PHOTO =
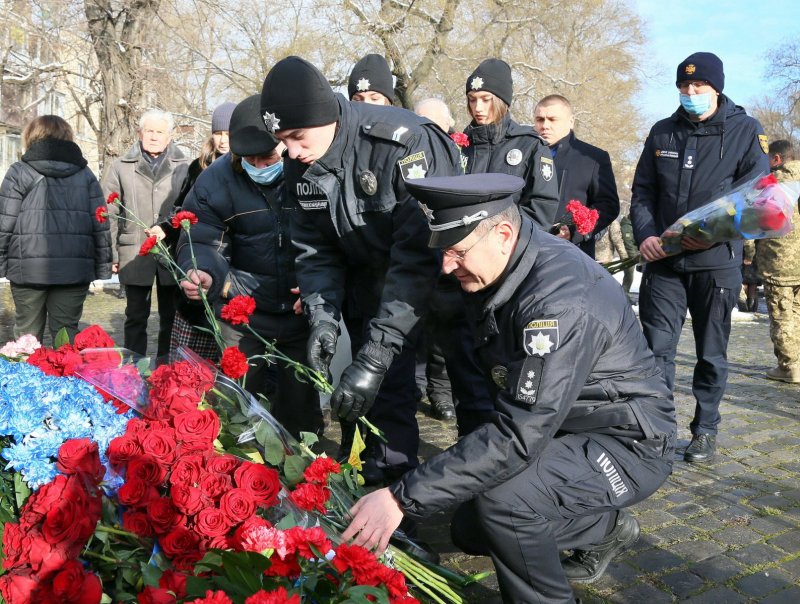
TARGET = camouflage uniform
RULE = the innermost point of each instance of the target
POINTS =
(779, 268)
(610, 243)
(630, 246)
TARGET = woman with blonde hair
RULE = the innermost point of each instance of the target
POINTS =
(54, 239)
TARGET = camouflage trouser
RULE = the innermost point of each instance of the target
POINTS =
(783, 304)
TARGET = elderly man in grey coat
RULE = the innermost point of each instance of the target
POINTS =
(148, 179)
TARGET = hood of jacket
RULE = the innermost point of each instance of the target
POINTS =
(54, 157)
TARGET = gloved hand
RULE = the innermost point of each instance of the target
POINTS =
(322, 346)
(361, 381)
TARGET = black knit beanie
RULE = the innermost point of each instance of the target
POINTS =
(221, 118)
(248, 134)
(371, 73)
(492, 75)
(702, 66)
(296, 95)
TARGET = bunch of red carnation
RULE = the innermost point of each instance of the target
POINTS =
(584, 218)
(313, 494)
(64, 360)
(180, 490)
(40, 551)
(367, 570)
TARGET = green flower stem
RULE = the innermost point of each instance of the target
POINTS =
(96, 556)
(113, 531)
(431, 578)
(212, 319)
(420, 583)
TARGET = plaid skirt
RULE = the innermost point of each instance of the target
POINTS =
(185, 334)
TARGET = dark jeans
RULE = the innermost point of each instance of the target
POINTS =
(567, 498)
(57, 305)
(293, 403)
(137, 311)
(664, 296)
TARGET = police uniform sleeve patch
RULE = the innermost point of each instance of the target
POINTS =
(540, 337)
(546, 167)
(414, 165)
(764, 142)
(530, 377)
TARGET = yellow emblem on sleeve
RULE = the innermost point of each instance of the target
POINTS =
(764, 142)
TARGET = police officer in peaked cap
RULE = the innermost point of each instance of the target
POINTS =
(583, 426)
(362, 240)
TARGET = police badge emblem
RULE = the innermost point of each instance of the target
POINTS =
(763, 141)
(368, 182)
(546, 167)
(499, 375)
(414, 166)
(271, 121)
(477, 83)
(363, 85)
(426, 210)
(540, 337)
(690, 69)
(513, 157)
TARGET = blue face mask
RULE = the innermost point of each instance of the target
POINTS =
(263, 176)
(696, 104)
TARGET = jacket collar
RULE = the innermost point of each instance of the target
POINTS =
(565, 144)
(333, 159)
(488, 133)
(134, 154)
(55, 150)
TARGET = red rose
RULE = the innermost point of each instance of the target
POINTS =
(161, 445)
(93, 336)
(177, 220)
(196, 426)
(62, 522)
(137, 522)
(148, 245)
(213, 597)
(136, 492)
(187, 470)
(47, 558)
(214, 485)
(238, 505)
(148, 469)
(234, 363)
(222, 464)
(302, 540)
(156, 595)
(19, 588)
(460, 139)
(238, 310)
(80, 456)
(113, 197)
(101, 214)
(40, 502)
(188, 499)
(261, 482)
(15, 546)
(174, 582)
(310, 497)
(276, 596)
(72, 584)
(317, 472)
(163, 515)
(771, 218)
(121, 450)
(212, 522)
(180, 541)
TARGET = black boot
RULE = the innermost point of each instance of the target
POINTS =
(702, 448)
(442, 410)
(586, 566)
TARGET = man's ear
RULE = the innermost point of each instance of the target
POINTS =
(505, 230)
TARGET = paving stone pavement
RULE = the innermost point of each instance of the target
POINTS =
(724, 532)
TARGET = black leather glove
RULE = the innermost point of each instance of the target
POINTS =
(361, 381)
(322, 346)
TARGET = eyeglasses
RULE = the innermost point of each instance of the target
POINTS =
(461, 255)
(694, 83)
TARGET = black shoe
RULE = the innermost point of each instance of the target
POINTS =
(702, 448)
(587, 566)
(443, 410)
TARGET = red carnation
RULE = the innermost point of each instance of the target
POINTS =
(276, 596)
(309, 496)
(178, 219)
(460, 139)
(174, 582)
(155, 595)
(113, 197)
(319, 469)
(148, 245)
(234, 363)
(238, 310)
(61, 362)
(766, 181)
(212, 597)
(583, 218)
(93, 336)
(302, 541)
(101, 214)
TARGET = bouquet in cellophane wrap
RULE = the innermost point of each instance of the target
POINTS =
(761, 208)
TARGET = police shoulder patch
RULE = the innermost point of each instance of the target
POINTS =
(540, 337)
(764, 142)
(530, 377)
(546, 167)
(389, 132)
(414, 165)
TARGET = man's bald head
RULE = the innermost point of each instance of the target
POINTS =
(437, 111)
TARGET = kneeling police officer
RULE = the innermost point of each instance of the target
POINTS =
(583, 425)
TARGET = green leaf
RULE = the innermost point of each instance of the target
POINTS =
(151, 574)
(309, 439)
(196, 587)
(62, 337)
(359, 593)
(293, 469)
(273, 447)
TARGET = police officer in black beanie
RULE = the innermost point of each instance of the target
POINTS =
(362, 239)
(371, 81)
(499, 144)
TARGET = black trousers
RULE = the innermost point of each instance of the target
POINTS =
(293, 403)
(664, 296)
(568, 498)
(137, 312)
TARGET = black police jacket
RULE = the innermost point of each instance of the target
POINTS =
(566, 355)
(584, 173)
(509, 148)
(242, 238)
(685, 165)
(363, 239)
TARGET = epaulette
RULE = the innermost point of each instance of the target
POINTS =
(389, 132)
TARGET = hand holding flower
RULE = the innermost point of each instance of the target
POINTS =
(375, 518)
(692, 243)
(196, 280)
(157, 231)
(651, 249)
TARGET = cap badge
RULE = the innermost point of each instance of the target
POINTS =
(363, 85)
(368, 182)
(271, 121)
(513, 157)
(428, 212)
(477, 83)
(690, 69)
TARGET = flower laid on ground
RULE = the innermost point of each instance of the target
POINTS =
(20, 348)
(460, 139)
